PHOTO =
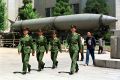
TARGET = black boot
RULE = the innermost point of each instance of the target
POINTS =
(39, 67)
(77, 70)
(29, 68)
(56, 63)
(23, 72)
(71, 73)
(53, 67)
(42, 67)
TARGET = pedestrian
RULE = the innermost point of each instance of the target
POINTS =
(55, 47)
(74, 49)
(25, 46)
(100, 51)
(82, 48)
(41, 48)
(91, 43)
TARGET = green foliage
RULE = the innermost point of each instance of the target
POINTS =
(27, 11)
(107, 36)
(97, 6)
(27, 1)
(2, 16)
(62, 7)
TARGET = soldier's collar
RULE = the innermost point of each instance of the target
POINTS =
(41, 36)
(74, 33)
(26, 35)
(55, 38)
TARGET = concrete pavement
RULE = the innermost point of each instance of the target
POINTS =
(11, 66)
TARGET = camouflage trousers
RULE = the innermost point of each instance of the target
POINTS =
(25, 61)
(54, 57)
(74, 56)
(39, 59)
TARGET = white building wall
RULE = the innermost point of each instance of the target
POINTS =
(117, 7)
(12, 10)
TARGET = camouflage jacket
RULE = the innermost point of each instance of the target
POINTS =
(74, 42)
(26, 44)
(55, 44)
(41, 44)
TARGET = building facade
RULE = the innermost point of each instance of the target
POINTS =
(45, 8)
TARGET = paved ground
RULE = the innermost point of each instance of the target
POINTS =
(10, 62)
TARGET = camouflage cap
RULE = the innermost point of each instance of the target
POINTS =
(25, 29)
(73, 26)
(54, 32)
(39, 30)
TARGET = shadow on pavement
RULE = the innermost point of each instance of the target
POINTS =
(34, 69)
(63, 72)
(18, 72)
(47, 67)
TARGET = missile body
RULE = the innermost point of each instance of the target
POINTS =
(82, 21)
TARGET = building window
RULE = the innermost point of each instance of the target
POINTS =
(48, 12)
(76, 8)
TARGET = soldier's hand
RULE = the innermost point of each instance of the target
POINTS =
(19, 53)
(33, 54)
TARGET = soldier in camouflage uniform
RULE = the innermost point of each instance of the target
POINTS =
(24, 47)
(41, 46)
(74, 49)
(55, 47)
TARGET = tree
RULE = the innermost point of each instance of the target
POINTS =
(99, 7)
(2, 16)
(96, 6)
(27, 11)
(62, 7)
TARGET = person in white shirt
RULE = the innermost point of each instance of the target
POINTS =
(100, 51)
(82, 48)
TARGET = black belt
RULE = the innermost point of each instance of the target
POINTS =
(39, 45)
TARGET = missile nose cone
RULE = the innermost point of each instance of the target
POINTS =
(108, 19)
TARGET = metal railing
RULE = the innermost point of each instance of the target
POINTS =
(14, 43)
(9, 42)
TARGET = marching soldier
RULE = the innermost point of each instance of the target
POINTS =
(24, 47)
(41, 47)
(55, 47)
(74, 49)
